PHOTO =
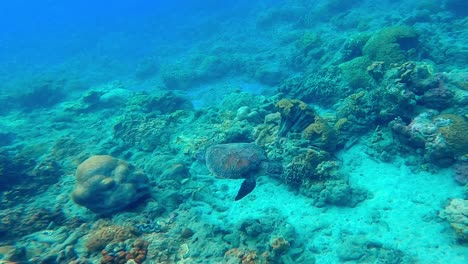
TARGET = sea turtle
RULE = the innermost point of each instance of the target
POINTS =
(238, 161)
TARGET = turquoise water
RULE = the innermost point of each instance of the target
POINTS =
(124, 126)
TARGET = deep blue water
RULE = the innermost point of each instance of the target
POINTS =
(39, 36)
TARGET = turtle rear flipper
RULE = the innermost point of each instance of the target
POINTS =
(247, 187)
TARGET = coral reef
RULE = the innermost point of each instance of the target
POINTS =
(359, 112)
(417, 76)
(15, 223)
(245, 256)
(267, 133)
(107, 234)
(454, 132)
(279, 245)
(137, 254)
(456, 213)
(21, 177)
(295, 116)
(352, 48)
(441, 136)
(13, 169)
(355, 72)
(199, 67)
(149, 120)
(270, 74)
(163, 102)
(145, 132)
(323, 87)
(105, 184)
(391, 45)
(320, 134)
(359, 249)
(177, 76)
(461, 170)
(302, 168)
(42, 93)
(333, 192)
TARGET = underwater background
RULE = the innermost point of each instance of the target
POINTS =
(287, 131)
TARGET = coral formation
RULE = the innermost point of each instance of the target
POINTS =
(245, 256)
(360, 249)
(352, 48)
(198, 68)
(270, 74)
(391, 45)
(137, 254)
(303, 167)
(176, 76)
(307, 42)
(279, 245)
(295, 116)
(105, 235)
(456, 213)
(320, 134)
(16, 172)
(333, 192)
(41, 93)
(355, 72)
(267, 133)
(454, 132)
(460, 169)
(163, 102)
(105, 184)
(323, 86)
(15, 223)
(441, 136)
(143, 131)
(325, 89)
(358, 111)
(13, 169)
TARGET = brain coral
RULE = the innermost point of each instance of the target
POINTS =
(105, 184)
(391, 44)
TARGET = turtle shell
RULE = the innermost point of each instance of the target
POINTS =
(234, 160)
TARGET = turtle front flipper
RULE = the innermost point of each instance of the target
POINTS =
(247, 187)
